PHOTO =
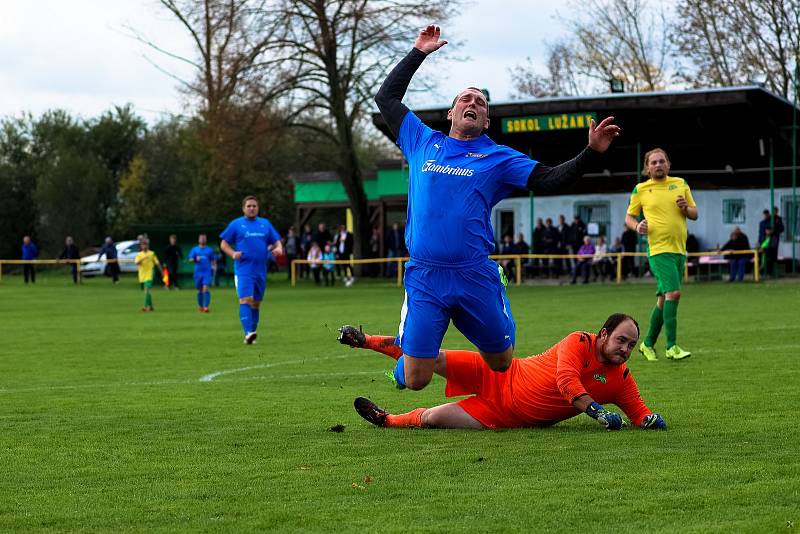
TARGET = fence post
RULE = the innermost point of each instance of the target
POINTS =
(400, 267)
(619, 268)
(756, 267)
(292, 269)
(518, 263)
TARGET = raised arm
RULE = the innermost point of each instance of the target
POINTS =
(390, 95)
(544, 179)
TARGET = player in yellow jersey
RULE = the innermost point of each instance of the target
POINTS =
(666, 202)
(147, 260)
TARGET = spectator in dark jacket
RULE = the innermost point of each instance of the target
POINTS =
(109, 250)
(322, 236)
(29, 252)
(71, 252)
(550, 239)
(395, 247)
(172, 257)
(737, 262)
(629, 241)
(292, 247)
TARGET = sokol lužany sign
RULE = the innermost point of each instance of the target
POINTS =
(543, 123)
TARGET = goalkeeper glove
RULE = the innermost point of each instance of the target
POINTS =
(654, 421)
(610, 420)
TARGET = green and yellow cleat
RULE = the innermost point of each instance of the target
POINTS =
(390, 377)
(677, 353)
(648, 352)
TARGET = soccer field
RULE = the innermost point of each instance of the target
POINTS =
(113, 419)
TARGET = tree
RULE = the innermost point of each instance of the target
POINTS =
(343, 50)
(561, 79)
(66, 195)
(69, 177)
(622, 39)
(17, 183)
(238, 78)
(114, 139)
(730, 42)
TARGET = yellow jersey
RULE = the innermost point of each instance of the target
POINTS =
(666, 223)
(146, 262)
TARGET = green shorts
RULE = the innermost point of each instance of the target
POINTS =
(147, 284)
(668, 270)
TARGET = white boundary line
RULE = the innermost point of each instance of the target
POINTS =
(205, 378)
(211, 376)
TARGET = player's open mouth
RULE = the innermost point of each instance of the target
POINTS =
(471, 115)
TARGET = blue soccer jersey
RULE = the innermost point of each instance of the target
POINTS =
(452, 188)
(203, 258)
(251, 238)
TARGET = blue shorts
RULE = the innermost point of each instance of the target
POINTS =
(249, 286)
(202, 279)
(473, 297)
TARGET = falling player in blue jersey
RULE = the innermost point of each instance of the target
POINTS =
(248, 241)
(205, 263)
(454, 181)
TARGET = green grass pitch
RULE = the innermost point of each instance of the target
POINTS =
(106, 424)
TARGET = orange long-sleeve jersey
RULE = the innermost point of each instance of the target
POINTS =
(544, 386)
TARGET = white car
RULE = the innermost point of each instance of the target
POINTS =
(126, 250)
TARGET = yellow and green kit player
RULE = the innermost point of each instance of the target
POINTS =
(146, 260)
(666, 202)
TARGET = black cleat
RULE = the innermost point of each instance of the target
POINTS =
(348, 335)
(370, 411)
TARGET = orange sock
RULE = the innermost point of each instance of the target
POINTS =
(406, 420)
(384, 345)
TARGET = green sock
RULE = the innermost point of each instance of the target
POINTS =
(671, 321)
(148, 299)
(656, 322)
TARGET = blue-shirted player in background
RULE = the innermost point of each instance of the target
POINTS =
(454, 181)
(248, 240)
(205, 263)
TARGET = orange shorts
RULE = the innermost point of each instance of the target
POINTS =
(490, 404)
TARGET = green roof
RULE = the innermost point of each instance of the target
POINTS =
(389, 182)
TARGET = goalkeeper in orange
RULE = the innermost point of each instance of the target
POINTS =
(577, 375)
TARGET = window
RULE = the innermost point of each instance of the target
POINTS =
(791, 214)
(733, 211)
(595, 212)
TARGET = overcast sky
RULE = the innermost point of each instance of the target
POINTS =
(77, 54)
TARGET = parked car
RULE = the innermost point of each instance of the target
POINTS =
(126, 250)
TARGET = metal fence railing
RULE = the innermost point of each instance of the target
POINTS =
(518, 259)
(713, 257)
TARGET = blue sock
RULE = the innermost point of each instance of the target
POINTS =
(207, 298)
(199, 299)
(244, 317)
(400, 371)
(254, 316)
